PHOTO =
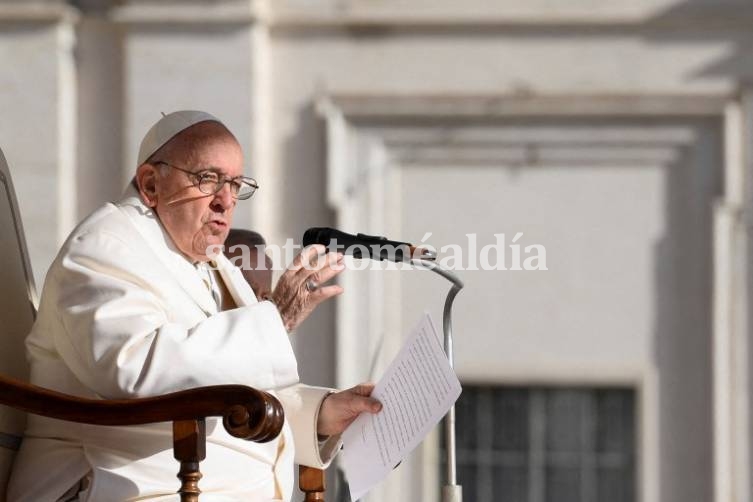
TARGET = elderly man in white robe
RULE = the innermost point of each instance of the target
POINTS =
(138, 303)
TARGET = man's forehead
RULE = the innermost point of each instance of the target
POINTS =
(220, 154)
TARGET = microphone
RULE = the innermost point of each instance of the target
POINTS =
(365, 246)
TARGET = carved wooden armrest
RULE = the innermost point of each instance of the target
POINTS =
(247, 413)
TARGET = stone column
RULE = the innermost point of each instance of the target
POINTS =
(732, 293)
(38, 130)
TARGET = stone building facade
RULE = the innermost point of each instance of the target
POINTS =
(617, 135)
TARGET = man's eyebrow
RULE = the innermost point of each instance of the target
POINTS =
(210, 169)
(218, 171)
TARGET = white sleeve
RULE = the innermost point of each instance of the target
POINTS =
(122, 337)
(302, 404)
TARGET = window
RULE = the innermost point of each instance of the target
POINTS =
(518, 444)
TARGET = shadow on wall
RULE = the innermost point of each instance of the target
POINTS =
(300, 171)
(708, 21)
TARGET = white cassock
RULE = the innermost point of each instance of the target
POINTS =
(123, 314)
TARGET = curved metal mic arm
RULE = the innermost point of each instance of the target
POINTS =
(451, 492)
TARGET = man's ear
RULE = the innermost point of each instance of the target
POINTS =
(147, 179)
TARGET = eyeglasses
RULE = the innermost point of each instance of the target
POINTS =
(209, 182)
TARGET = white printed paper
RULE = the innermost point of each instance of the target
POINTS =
(416, 391)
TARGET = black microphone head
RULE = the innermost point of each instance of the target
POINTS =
(359, 246)
(317, 235)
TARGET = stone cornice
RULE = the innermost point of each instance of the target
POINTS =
(162, 13)
(491, 106)
(43, 13)
(710, 17)
(524, 15)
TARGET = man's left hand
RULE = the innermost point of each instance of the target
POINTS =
(340, 409)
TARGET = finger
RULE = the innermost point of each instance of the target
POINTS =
(288, 277)
(324, 261)
(303, 277)
(325, 292)
(364, 389)
(317, 260)
(363, 403)
(321, 276)
(305, 257)
(296, 275)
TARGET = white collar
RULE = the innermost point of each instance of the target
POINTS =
(147, 222)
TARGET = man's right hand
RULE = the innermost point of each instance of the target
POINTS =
(313, 266)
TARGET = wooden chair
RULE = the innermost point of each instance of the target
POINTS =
(247, 413)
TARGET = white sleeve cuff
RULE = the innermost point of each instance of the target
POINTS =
(302, 404)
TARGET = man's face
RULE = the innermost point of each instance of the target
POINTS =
(195, 220)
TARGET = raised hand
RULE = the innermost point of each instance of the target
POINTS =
(301, 287)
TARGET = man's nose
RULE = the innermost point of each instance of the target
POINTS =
(224, 197)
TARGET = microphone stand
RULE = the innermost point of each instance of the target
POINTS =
(451, 492)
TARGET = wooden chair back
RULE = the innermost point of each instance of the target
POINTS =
(18, 303)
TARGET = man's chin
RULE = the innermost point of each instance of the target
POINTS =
(214, 245)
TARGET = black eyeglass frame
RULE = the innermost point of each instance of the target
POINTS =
(201, 181)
